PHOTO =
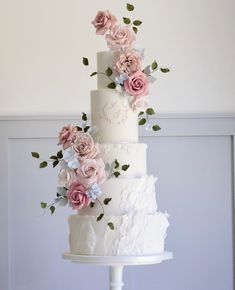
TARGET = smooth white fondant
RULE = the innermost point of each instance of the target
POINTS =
(133, 234)
(105, 59)
(133, 154)
(113, 117)
(128, 195)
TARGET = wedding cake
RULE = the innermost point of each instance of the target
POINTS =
(103, 174)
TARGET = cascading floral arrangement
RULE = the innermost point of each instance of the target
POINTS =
(128, 76)
(82, 170)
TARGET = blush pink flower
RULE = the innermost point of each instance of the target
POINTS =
(128, 62)
(67, 135)
(120, 37)
(138, 104)
(91, 171)
(66, 177)
(137, 84)
(104, 21)
(77, 196)
(85, 147)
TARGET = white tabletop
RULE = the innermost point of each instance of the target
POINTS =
(119, 260)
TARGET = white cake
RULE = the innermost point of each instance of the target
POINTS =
(139, 229)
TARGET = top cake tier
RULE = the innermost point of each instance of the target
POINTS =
(105, 59)
(110, 110)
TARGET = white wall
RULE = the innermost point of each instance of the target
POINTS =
(42, 43)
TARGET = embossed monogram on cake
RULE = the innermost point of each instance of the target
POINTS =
(113, 113)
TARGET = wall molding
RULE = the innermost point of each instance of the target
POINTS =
(17, 117)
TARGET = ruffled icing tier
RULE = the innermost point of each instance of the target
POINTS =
(128, 195)
(136, 233)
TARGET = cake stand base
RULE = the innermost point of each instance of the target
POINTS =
(116, 264)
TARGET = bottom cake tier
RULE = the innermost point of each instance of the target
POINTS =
(133, 234)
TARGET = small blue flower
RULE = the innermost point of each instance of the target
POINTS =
(70, 158)
(94, 192)
(119, 80)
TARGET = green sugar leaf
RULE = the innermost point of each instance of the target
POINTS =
(142, 121)
(35, 154)
(86, 128)
(100, 217)
(109, 72)
(112, 86)
(55, 163)
(43, 204)
(154, 65)
(150, 111)
(125, 167)
(52, 209)
(107, 200)
(140, 113)
(116, 164)
(79, 128)
(111, 225)
(84, 116)
(43, 164)
(137, 22)
(116, 174)
(93, 74)
(60, 154)
(126, 20)
(53, 157)
(135, 29)
(85, 61)
(156, 128)
(165, 70)
(130, 7)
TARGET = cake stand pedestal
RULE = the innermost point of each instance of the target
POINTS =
(116, 264)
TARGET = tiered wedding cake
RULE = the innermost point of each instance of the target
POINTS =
(103, 174)
(138, 228)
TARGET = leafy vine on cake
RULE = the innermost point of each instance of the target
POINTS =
(128, 76)
(82, 170)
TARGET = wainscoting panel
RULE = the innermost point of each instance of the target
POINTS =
(193, 158)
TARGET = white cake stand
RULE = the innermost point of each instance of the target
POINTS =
(116, 264)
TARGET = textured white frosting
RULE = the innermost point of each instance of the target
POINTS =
(133, 154)
(128, 195)
(105, 59)
(112, 115)
(134, 234)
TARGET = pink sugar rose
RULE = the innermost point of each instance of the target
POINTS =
(66, 177)
(77, 196)
(137, 84)
(85, 147)
(120, 37)
(138, 104)
(67, 135)
(128, 62)
(91, 171)
(104, 21)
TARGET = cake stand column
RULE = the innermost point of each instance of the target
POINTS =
(115, 276)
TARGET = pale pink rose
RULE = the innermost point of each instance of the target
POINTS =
(66, 177)
(137, 84)
(85, 147)
(128, 62)
(67, 135)
(120, 37)
(91, 171)
(104, 21)
(77, 196)
(138, 104)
